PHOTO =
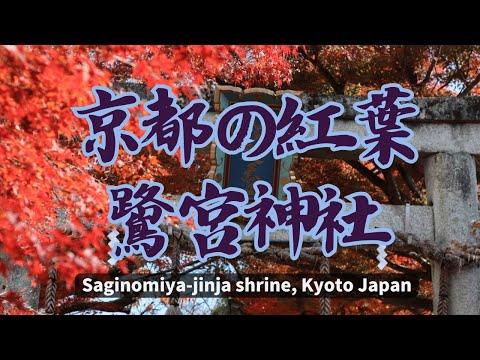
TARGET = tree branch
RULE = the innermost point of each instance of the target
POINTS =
(392, 188)
(409, 180)
(470, 86)
(301, 50)
(338, 87)
(448, 81)
(429, 72)
(409, 66)
(374, 179)
(119, 305)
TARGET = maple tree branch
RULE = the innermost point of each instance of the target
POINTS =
(304, 53)
(388, 186)
(369, 175)
(199, 266)
(447, 82)
(234, 264)
(429, 73)
(393, 192)
(408, 66)
(459, 71)
(119, 305)
(409, 180)
(338, 87)
(147, 308)
(470, 86)
(124, 61)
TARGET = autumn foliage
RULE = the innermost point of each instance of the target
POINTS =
(42, 170)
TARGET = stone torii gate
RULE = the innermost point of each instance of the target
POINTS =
(447, 137)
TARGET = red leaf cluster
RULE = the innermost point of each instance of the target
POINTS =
(53, 200)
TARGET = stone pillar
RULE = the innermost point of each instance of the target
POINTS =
(451, 188)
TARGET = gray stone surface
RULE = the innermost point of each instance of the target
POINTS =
(18, 280)
(437, 109)
(451, 188)
(394, 216)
